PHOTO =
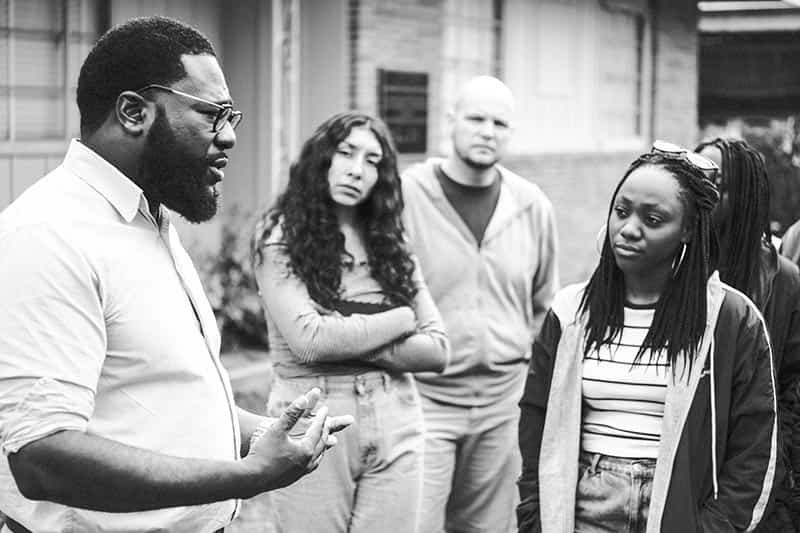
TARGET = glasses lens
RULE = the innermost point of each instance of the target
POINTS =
(236, 118)
(668, 147)
(222, 117)
(700, 161)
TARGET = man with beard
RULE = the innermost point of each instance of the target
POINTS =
(486, 241)
(115, 411)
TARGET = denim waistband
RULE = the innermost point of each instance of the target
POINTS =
(645, 467)
(360, 383)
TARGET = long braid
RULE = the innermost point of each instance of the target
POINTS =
(680, 313)
(742, 237)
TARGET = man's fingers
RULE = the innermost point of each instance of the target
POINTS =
(338, 423)
(314, 431)
(321, 445)
(314, 464)
(295, 411)
(313, 397)
(331, 441)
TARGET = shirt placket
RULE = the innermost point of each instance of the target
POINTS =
(191, 285)
(203, 312)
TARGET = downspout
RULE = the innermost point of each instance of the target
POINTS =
(652, 8)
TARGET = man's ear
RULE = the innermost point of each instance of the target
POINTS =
(450, 118)
(133, 112)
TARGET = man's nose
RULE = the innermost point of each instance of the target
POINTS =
(487, 128)
(226, 137)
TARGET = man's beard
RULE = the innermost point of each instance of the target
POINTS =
(176, 178)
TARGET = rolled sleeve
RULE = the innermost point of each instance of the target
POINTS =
(52, 336)
(40, 408)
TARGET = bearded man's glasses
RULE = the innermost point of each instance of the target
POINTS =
(225, 112)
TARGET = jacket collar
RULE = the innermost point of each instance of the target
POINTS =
(768, 269)
(512, 201)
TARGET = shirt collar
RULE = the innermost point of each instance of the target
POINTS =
(119, 190)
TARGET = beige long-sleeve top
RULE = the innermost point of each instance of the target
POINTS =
(307, 339)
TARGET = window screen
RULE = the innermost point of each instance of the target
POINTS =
(42, 45)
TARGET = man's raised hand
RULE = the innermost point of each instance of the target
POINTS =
(280, 458)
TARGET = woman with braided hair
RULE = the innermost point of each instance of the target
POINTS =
(649, 403)
(750, 263)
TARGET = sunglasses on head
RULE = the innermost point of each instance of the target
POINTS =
(700, 162)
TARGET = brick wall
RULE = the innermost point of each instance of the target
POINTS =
(406, 34)
(399, 35)
(580, 187)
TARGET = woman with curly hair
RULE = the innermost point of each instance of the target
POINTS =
(750, 263)
(649, 404)
(348, 311)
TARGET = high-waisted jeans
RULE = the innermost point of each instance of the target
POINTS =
(372, 479)
(613, 494)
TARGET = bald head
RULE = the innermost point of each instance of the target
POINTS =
(484, 89)
(481, 124)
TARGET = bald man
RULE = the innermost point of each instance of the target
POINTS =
(486, 240)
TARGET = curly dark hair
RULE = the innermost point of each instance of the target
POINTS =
(680, 314)
(310, 226)
(130, 56)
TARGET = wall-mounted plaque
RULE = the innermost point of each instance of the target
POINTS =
(403, 105)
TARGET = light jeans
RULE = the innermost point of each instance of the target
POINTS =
(371, 480)
(472, 463)
(613, 494)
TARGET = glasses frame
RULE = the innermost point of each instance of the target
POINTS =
(225, 112)
(708, 167)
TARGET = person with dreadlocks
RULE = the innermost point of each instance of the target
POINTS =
(348, 312)
(649, 403)
(750, 263)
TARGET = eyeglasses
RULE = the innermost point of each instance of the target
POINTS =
(225, 112)
(700, 162)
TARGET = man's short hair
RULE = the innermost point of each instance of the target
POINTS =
(130, 56)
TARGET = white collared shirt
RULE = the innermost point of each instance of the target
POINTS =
(105, 328)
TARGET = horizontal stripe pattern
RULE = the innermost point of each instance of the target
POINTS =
(623, 401)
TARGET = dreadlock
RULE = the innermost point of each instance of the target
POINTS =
(680, 314)
(744, 179)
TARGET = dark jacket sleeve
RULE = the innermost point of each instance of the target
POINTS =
(788, 378)
(746, 469)
(788, 373)
(531, 424)
(782, 314)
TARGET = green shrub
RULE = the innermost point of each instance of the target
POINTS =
(228, 279)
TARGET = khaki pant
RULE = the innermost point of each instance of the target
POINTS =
(472, 463)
